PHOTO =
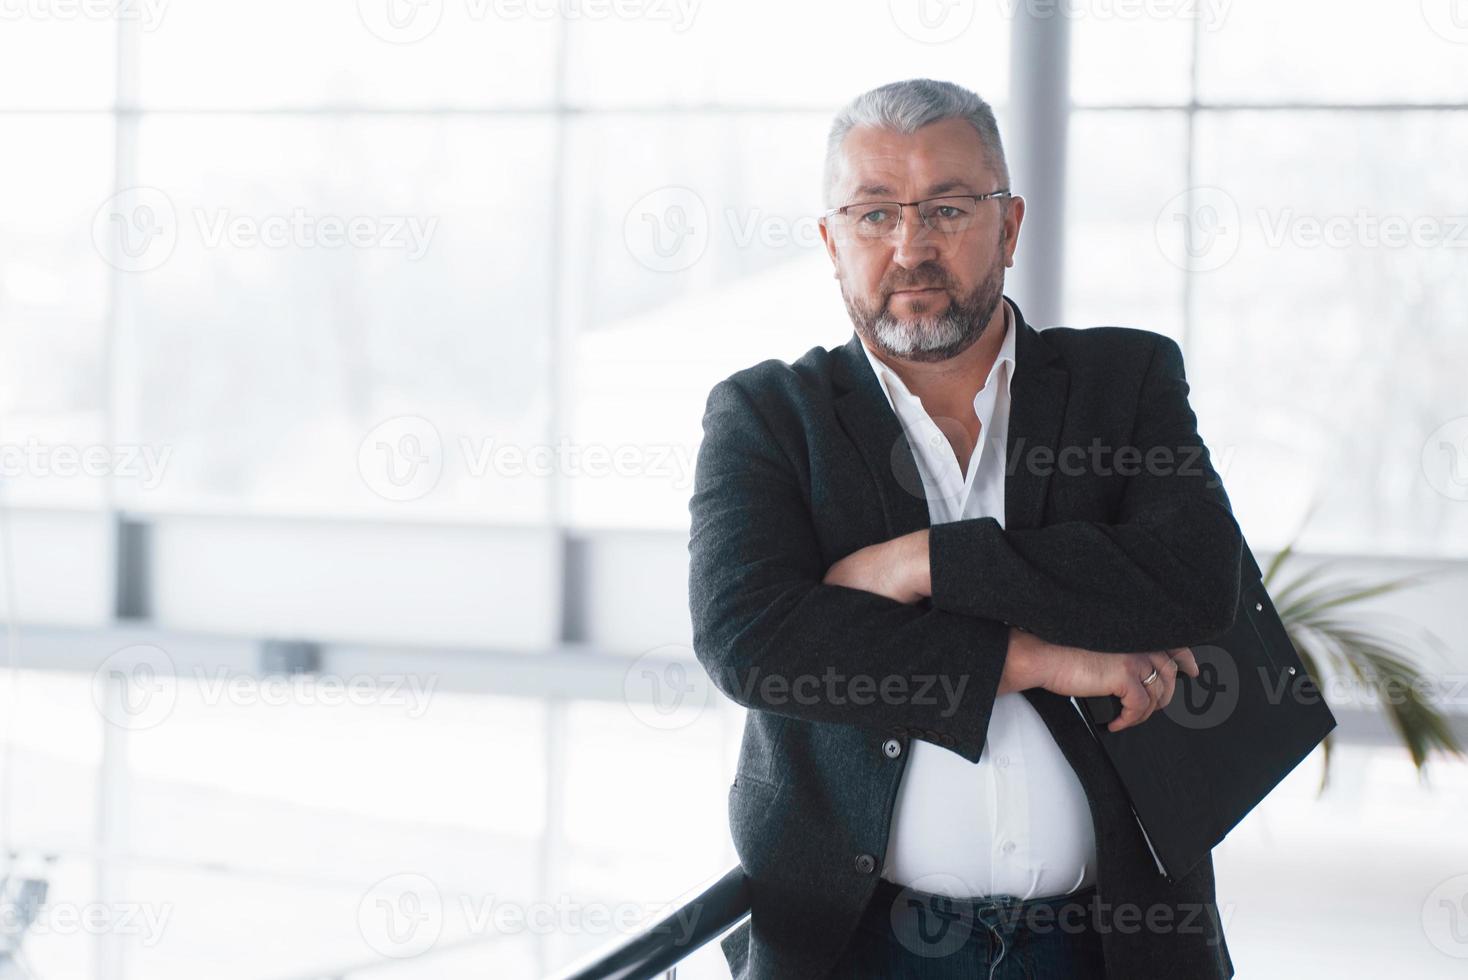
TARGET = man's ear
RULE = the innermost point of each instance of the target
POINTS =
(830, 248)
(1013, 217)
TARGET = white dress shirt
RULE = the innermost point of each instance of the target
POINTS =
(1017, 822)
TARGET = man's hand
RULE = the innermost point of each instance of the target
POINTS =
(897, 569)
(1076, 672)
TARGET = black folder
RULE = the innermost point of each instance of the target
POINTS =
(1194, 769)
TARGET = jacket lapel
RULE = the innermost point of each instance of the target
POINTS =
(1037, 408)
(863, 411)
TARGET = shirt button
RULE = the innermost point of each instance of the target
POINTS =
(891, 748)
(1009, 847)
(1002, 762)
(866, 864)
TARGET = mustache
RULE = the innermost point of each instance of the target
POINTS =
(932, 281)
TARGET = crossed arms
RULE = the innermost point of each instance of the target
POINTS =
(767, 614)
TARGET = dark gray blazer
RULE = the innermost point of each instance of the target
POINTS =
(803, 464)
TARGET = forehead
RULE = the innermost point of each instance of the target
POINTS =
(939, 157)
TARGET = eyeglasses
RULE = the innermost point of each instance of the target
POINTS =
(871, 221)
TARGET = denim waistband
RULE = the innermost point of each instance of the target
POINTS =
(1005, 913)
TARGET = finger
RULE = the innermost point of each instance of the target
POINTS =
(1169, 677)
(1166, 678)
(1141, 669)
(1136, 704)
(1156, 689)
(1142, 666)
(1186, 661)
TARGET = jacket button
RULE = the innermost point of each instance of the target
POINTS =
(866, 864)
(891, 748)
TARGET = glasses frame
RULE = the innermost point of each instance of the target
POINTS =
(902, 207)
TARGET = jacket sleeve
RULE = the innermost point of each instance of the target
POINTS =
(773, 637)
(1165, 574)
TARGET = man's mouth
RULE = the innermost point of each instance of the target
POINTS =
(918, 291)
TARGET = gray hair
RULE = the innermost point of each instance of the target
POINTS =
(907, 106)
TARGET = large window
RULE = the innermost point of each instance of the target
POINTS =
(483, 265)
(1275, 186)
(390, 325)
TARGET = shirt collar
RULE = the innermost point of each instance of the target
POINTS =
(894, 387)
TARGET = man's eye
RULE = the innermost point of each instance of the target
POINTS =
(875, 217)
(948, 211)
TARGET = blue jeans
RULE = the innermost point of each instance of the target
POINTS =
(907, 933)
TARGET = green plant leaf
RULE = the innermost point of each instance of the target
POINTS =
(1315, 606)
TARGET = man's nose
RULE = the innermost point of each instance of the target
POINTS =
(914, 242)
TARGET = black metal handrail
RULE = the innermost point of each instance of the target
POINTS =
(661, 945)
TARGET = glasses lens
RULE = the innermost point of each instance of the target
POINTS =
(875, 220)
(949, 215)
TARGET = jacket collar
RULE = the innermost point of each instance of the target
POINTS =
(1038, 391)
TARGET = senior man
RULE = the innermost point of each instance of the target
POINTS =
(910, 552)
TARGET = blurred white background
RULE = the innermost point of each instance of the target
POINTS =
(383, 329)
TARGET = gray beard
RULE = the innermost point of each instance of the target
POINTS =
(931, 337)
(944, 334)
